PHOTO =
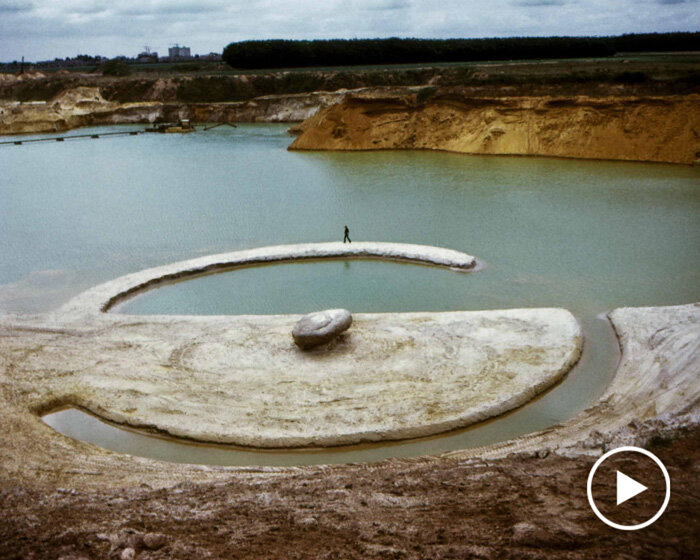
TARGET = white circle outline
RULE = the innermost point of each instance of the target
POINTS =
(648, 521)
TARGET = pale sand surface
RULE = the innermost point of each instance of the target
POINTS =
(656, 380)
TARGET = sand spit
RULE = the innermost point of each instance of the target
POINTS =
(658, 129)
(243, 381)
(102, 297)
(45, 361)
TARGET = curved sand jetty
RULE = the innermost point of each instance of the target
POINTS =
(240, 380)
(104, 296)
(243, 381)
(180, 375)
(656, 377)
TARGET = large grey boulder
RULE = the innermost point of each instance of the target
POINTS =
(321, 327)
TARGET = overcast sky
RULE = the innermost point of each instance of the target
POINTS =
(46, 29)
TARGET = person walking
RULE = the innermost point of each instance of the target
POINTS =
(346, 237)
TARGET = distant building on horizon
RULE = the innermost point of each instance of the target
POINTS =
(179, 53)
(210, 56)
(147, 56)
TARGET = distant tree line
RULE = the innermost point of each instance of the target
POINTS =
(346, 52)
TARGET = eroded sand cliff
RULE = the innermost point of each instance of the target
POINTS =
(659, 129)
(81, 106)
(85, 106)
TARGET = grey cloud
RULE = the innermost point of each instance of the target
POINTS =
(88, 9)
(536, 3)
(47, 29)
(389, 5)
(181, 7)
(15, 7)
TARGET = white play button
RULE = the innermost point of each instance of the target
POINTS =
(649, 468)
(627, 488)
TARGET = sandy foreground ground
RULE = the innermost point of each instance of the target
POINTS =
(523, 506)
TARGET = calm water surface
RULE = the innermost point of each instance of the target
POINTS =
(588, 236)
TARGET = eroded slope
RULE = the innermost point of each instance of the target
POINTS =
(660, 129)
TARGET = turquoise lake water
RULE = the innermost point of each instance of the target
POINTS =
(585, 235)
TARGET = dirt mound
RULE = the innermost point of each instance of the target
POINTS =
(78, 95)
(6, 79)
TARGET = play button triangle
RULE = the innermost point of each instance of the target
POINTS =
(627, 488)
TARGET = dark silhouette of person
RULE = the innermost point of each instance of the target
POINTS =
(346, 237)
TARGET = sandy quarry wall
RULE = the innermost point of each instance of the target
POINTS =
(85, 106)
(72, 108)
(659, 129)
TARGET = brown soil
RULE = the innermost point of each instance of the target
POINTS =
(518, 507)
